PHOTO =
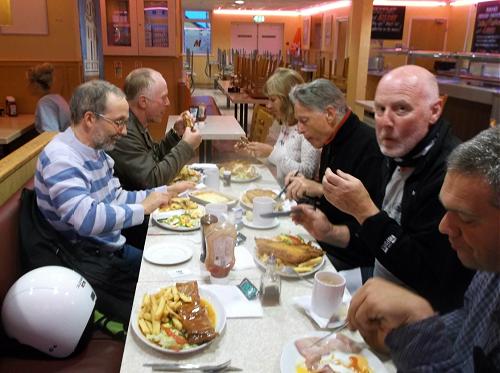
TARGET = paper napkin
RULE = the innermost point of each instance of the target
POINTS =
(304, 302)
(244, 260)
(235, 303)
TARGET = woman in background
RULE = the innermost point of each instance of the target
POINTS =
(291, 152)
(52, 110)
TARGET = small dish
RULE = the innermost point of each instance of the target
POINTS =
(174, 252)
(252, 225)
(158, 217)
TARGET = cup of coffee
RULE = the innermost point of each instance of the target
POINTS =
(217, 209)
(328, 291)
(262, 205)
(212, 178)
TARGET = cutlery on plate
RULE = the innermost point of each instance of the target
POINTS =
(182, 367)
(332, 331)
(276, 214)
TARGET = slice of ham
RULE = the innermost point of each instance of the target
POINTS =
(312, 353)
(194, 316)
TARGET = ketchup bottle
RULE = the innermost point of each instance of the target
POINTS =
(220, 242)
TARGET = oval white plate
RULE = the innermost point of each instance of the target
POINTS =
(157, 215)
(250, 205)
(238, 180)
(287, 271)
(220, 323)
(290, 357)
(174, 252)
(251, 224)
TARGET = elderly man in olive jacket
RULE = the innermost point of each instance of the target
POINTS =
(139, 161)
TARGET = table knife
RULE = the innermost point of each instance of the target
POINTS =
(276, 214)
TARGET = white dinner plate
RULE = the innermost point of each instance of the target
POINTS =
(250, 205)
(220, 323)
(251, 224)
(246, 180)
(158, 215)
(290, 356)
(287, 271)
(174, 252)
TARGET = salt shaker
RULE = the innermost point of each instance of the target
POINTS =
(270, 284)
(227, 178)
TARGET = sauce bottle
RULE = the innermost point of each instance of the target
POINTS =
(205, 221)
(220, 242)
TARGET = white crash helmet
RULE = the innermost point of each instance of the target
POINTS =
(49, 308)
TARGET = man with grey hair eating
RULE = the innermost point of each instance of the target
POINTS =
(327, 122)
(466, 340)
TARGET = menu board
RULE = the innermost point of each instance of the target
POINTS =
(388, 22)
(487, 28)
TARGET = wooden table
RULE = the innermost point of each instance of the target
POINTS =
(12, 128)
(215, 127)
(241, 99)
(253, 344)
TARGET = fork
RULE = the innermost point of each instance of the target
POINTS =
(331, 332)
(180, 367)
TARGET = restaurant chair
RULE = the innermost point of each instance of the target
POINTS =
(262, 120)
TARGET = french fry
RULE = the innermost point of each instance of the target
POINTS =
(185, 298)
(175, 293)
(150, 326)
(159, 310)
(156, 327)
(302, 269)
(146, 301)
(144, 327)
(311, 262)
(176, 323)
(146, 316)
(168, 293)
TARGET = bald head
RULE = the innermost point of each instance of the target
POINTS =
(407, 104)
(412, 77)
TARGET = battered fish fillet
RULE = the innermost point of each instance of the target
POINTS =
(289, 254)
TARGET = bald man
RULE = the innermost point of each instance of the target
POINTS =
(403, 235)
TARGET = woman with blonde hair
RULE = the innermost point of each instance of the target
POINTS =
(52, 111)
(291, 152)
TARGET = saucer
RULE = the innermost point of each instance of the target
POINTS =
(304, 302)
(251, 224)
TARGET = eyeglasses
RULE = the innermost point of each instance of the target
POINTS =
(119, 123)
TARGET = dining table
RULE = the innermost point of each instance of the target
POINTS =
(254, 343)
(214, 127)
(12, 128)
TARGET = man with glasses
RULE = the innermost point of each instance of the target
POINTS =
(78, 195)
(139, 161)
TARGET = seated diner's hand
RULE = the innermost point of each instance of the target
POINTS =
(181, 186)
(258, 149)
(155, 200)
(180, 126)
(380, 306)
(348, 194)
(313, 220)
(192, 137)
(300, 187)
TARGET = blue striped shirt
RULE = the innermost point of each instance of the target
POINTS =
(446, 343)
(79, 196)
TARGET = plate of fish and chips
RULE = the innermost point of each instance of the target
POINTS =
(294, 256)
(188, 174)
(339, 353)
(241, 171)
(179, 318)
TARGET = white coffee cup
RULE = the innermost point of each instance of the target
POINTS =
(262, 205)
(328, 291)
(217, 209)
(212, 178)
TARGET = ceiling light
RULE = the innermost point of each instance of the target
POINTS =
(239, 2)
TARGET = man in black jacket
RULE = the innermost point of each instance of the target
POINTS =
(403, 235)
(325, 120)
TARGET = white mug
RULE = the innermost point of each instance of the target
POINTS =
(212, 178)
(328, 291)
(217, 209)
(262, 205)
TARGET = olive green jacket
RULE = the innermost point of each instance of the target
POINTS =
(140, 163)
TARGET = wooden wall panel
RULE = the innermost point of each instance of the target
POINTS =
(116, 69)
(67, 76)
